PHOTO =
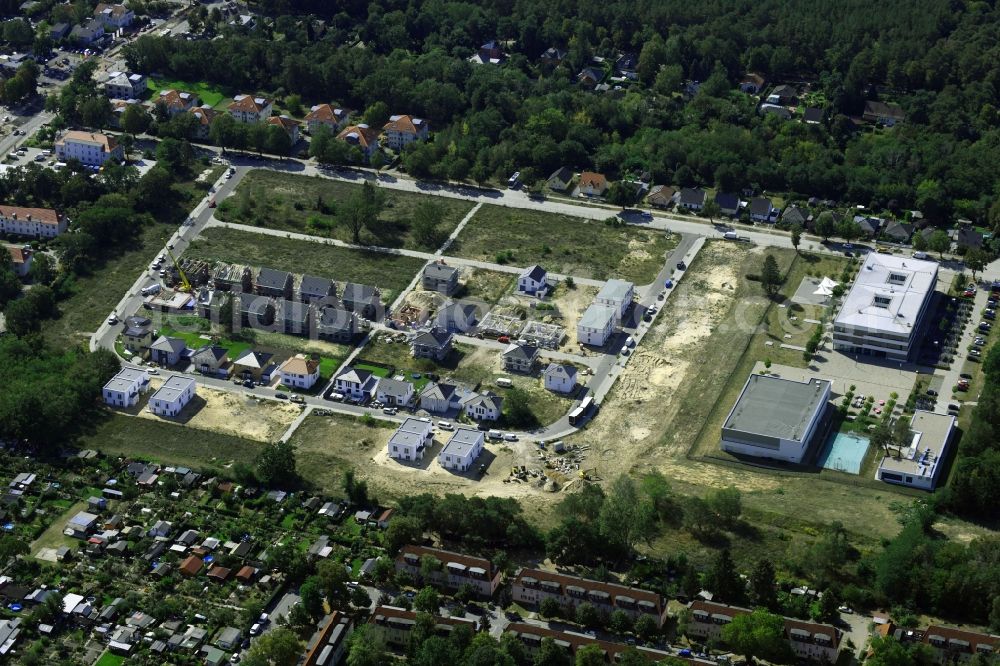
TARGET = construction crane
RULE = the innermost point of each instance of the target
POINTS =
(185, 285)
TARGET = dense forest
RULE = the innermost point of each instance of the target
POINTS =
(939, 61)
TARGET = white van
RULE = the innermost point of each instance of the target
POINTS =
(444, 425)
(919, 255)
(495, 434)
(151, 289)
(503, 382)
(730, 235)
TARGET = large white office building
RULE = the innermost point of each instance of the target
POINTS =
(883, 312)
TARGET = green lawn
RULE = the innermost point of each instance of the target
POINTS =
(53, 536)
(563, 244)
(118, 435)
(108, 659)
(209, 94)
(310, 204)
(389, 272)
(94, 296)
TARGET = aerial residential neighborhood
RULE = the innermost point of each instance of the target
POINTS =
(476, 333)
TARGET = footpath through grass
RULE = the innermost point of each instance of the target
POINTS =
(389, 272)
(118, 435)
(564, 244)
(312, 205)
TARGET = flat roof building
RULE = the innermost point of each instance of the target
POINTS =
(776, 418)
(919, 464)
(883, 311)
(461, 450)
(411, 439)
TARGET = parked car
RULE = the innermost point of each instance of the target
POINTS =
(298, 398)
(391, 411)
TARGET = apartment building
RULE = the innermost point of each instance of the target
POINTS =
(34, 222)
(171, 398)
(456, 569)
(532, 586)
(394, 624)
(125, 388)
(90, 148)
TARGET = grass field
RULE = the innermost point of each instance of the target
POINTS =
(563, 244)
(389, 272)
(53, 536)
(96, 295)
(108, 659)
(327, 446)
(206, 92)
(117, 435)
(310, 204)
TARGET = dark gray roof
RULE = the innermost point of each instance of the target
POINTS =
(968, 237)
(440, 271)
(813, 115)
(254, 304)
(316, 286)
(559, 370)
(760, 206)
(438, 391)
(898, 230)
(253, 358)
(268, 277)
(163, 343)
(292, 310)
(536, 273)
(359, 293)
(213, 352)
(794, 215)
(727, 200)
(334, 316)
(356, 375)
(562, 175)
(779, 111)
(525, 352)
(436, 337)
(693, 196)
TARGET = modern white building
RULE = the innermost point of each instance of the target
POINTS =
(125, 388)
(299, 372)
(533, 280)
(484, 407)
(883, 312)
(171, 398)
(616, 294)
(356, 384)
(122, 85)
(596, 325)
(919, 464)
(776, 418)
(35, 222)
(411, 439)
(394, 392)
(461, 450)
(90, 148)
(560, 378)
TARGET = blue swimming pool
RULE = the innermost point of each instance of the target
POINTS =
(844, 452)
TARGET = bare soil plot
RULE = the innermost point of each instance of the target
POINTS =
(311, 205)
(234, 414)
(563, 244)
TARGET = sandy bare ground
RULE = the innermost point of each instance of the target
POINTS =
(232, 413)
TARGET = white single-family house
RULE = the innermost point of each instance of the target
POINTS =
(394, 392)
(356, 384)
(532, 280)
(484, 407)
(299, 372)
(560, 378)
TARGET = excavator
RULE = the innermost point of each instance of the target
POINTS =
(185, 285)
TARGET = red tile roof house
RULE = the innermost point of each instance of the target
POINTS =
(532, 586)
(951, 645)
(36, 222)
(176, 101)
(204, 115)
(592, 184)
(191, 566)
(287, 124)
(401, 131)
(21, 259)
(808, 640)
(326, 115)
(456, 570)
(250, 109)
(363, 137)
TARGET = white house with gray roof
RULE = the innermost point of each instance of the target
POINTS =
(313, 288)
(560, 378)
(519, 358)
(776, 418)
(919, 464)
(533, 281)
(171, 398)
(440, 277)
(356, 383)
(484, 407)
(462, 449)
(411, 439)
(125, 388)
(616, 294)
(394, 392)
(166, 351)
(434, 344)
(596, 325)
